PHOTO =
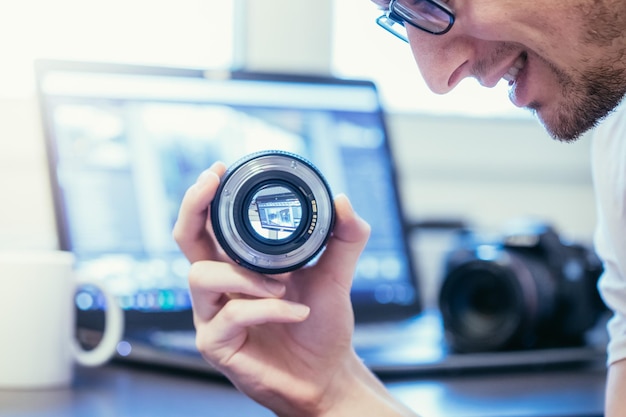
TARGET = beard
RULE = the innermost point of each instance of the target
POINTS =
(586, 100)
(591, 94)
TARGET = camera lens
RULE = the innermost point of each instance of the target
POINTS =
(496, 305)
(480, 305)
(272, 212)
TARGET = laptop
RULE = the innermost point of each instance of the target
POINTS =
(124, 142)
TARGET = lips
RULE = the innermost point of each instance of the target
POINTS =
(490, 72)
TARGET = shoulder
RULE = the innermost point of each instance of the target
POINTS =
(609, 143)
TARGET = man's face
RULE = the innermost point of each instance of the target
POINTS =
(563, 59)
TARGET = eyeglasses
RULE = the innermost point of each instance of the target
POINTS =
(432, 16)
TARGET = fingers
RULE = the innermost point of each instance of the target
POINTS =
(210, 282)
(238, 314)
(349, 237)
(192, 227)
(221, 338)
(227, 300)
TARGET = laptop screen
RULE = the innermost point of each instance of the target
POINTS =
(125, 142)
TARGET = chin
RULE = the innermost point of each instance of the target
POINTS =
(564, 127)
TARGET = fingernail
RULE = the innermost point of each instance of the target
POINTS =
(300, 310)
(273, 286)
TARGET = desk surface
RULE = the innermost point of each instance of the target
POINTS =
(122, 391)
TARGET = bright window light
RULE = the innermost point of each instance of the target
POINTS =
(364, 50)
(188, 33)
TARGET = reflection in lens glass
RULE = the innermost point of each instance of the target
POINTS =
(275, 212)
(424, 14)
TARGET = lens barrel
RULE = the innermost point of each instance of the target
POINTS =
(497, 305)
(273, 212)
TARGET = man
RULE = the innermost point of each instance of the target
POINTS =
(286, 340)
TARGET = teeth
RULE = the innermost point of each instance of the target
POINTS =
(511, 74)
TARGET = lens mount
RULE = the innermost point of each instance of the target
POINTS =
(272, 212)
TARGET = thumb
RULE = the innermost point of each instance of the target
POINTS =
(350, 234)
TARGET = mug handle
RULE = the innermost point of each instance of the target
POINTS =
(113, 330)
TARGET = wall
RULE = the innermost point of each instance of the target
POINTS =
(489, 171)
(485, 171)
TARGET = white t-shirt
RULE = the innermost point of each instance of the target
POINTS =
(609, 177)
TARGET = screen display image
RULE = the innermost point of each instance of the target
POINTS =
(279, 211)
(126, 142)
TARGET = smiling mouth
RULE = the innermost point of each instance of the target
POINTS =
(511, 75)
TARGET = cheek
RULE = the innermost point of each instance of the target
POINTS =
(482, 19)
(502, 21)
(490, 28)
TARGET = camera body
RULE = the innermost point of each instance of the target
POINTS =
(526, 289)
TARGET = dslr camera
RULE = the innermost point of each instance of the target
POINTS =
(526, 289)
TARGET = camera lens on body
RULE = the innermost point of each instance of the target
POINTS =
(273, 212)
(495, 305)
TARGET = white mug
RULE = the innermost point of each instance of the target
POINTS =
(38, 348)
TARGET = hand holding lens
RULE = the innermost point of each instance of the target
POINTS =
(272, 212)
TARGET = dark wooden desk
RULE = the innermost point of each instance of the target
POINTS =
(122, 391)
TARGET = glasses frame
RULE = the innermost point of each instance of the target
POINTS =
(390, 19)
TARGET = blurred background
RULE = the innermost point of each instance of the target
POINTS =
(469, 155)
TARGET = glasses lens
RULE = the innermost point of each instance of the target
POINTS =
(423, 14)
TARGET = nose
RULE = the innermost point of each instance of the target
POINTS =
(443, 60)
